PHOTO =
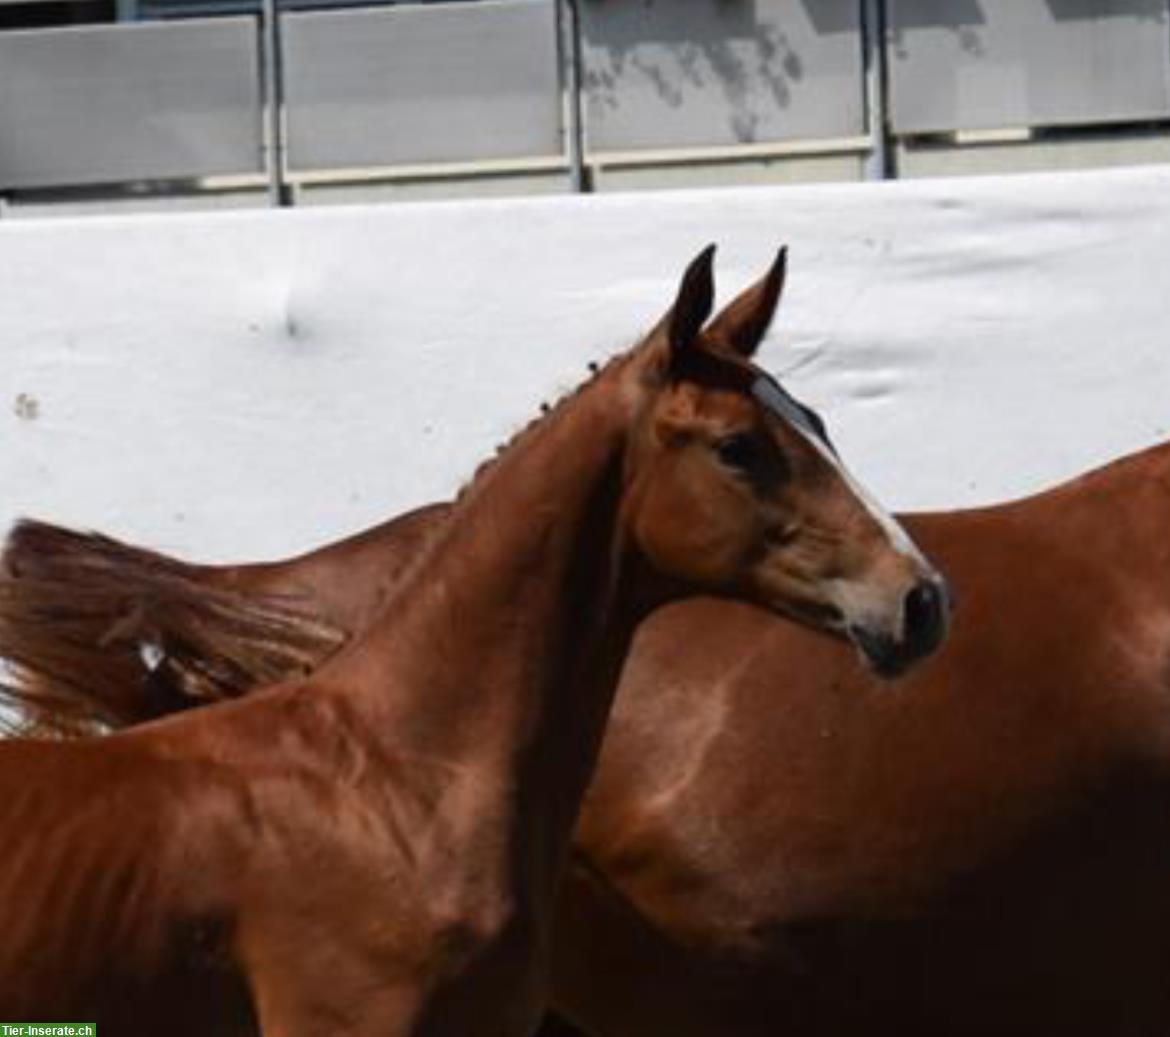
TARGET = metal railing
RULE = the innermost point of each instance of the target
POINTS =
(290, 97)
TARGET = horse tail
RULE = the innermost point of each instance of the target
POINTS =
(97, 634)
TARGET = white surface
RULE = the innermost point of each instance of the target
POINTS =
(244, 385)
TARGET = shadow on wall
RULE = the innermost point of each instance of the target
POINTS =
(829, 18)
(967, 17)
(737, 52)
(1075, 10)
(957, 14)
(963, 17)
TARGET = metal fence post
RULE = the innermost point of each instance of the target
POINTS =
(571, 51)
(274, 150)
(879, 163)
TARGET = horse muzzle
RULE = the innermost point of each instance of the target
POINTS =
(924, 620)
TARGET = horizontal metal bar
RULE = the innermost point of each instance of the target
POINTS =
(729, 153)
(435, 170)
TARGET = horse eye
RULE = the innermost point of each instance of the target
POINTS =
(740, 451)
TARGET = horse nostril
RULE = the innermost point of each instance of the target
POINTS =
(925, 613)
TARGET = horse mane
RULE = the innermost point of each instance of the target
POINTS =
(546, 413)
(96, 633)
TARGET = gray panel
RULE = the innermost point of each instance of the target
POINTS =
(686, 73)
(415, 85)
(104, 104)
(979, 64)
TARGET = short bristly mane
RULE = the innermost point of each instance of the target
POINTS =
(546, 414)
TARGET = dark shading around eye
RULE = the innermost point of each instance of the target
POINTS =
(754, 459)
(740, 451)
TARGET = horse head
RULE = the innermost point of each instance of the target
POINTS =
(734, 486)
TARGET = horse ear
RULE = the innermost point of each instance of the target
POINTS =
(692, 305)
(743, 323)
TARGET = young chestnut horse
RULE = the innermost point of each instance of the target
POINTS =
(773, 842)
(375, 849)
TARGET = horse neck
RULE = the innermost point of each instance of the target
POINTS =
(499, 652)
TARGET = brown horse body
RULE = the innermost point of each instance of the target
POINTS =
(375, 849)
(776, 843)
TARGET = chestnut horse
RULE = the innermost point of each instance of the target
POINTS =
(375, 849)
(773, 842)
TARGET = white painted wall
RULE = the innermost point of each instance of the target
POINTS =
(249, 384)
